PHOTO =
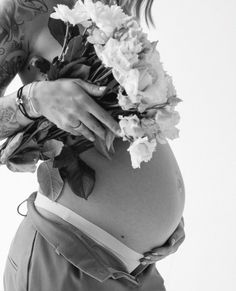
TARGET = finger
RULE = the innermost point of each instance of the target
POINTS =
(152, 260)
(89, 88)
(162, 251)
(179, 242)
(167, 250)
(104, 117)
(177, 235)
(82, 129)
(149, 256)
(94, 125)
(147, 262)
(96, 110)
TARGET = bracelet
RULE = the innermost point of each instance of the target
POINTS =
(29, 97)
(20, 103)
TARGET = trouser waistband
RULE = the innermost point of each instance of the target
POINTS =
(79, 249)
(129, 257)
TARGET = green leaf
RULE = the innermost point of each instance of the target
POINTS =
(52, 148)
(75, 31)
(81, 72)
(57, 29)
(75, 48)
(12, 144)
(75, 69)
(80, 177)
(30, 167)
(43, 128)
(24, 162)
(101, 147)
(50, 180)
(53, 73)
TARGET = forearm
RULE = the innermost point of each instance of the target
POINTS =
(11, 118)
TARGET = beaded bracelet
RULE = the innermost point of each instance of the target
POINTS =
(20, 103)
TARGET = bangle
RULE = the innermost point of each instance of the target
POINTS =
(20, 103)
(29, 97)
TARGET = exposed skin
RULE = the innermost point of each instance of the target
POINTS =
(170, 247)
(16, 21)
(14, 50)
(15, 15)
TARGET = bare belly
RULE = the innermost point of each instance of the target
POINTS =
(140, 207)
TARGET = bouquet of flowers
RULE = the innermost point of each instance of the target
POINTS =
(103, 45)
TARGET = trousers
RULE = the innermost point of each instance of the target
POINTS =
(50, 256)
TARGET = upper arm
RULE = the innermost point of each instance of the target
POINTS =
(15, 17)
(13, 48)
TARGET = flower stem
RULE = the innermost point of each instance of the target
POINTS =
(61, 57)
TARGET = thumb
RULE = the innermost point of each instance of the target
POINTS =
(89, 88)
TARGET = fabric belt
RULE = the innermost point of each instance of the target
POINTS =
(128, 256)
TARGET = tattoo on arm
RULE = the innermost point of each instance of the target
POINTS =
(8, 121)
(33, 6)
(9, 28)
(10, 67)
(15, 15)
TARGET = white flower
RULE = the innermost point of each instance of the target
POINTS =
(122, 51)
(130, 126)
(145, 78)
(170, 87)
(97, 36)
(141, 150)
(107, 18)
(150, 127)
(115, 55)
(166, 121)
(129, 81)
(124, 101)
(172, 102)
(155, 93)
(73, 16)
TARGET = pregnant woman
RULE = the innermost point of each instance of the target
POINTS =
(132, 218)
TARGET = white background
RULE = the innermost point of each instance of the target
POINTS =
(197, 46)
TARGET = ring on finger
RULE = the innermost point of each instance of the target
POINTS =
(78, 125)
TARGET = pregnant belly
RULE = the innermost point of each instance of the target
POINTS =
(140, 207)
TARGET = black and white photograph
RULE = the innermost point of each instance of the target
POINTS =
(117, 145)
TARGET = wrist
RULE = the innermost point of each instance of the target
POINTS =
(24, 112)
(32, 99)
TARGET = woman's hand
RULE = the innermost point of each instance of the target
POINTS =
(170, 247)
(66, 103)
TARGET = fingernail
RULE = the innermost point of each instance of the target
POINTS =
(148, 258)
(102, 88)
(92, 139)
(172, 241)
(155, 254)
(143, 263)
